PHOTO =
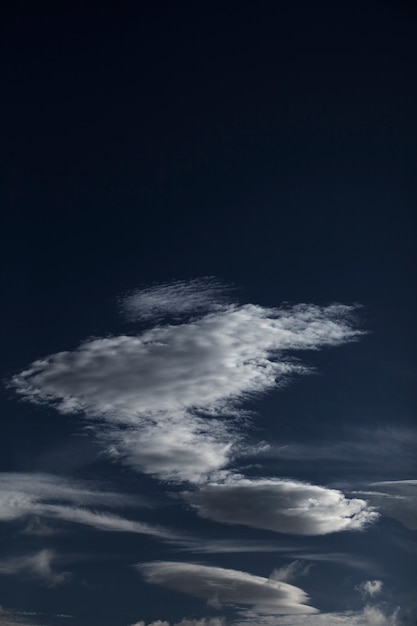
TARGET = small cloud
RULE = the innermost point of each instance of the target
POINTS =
(38, 565)
(290, 572)
(370, 588)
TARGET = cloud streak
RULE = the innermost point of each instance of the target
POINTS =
(46, 496)
(396, 499)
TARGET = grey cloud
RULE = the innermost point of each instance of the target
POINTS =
(285, 506)
(38, 565)
(224, 586)
(370, 587)
(146, 394)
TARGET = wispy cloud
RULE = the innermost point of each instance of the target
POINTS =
(219, 586)
(174, 300)
(358, 451)
(39, 565)
(46, 496)
(396, 499)
(290, 572)
(174, 392)
(284, 506)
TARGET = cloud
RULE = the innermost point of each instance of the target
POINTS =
(369, 616)
(349, 560)
(293, 570)
(174, 299)
(38, 565)
(224, 586)
(167, 401)
(46, 496)
(370, 587)
(284, 506)
(396, 499)
(362, 450)
(209, 621)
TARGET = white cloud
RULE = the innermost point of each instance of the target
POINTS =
(370, 587)
(224, 586)
(147, 394)
(38, 565)
(46, 496)
(396, 499)
(285, 506)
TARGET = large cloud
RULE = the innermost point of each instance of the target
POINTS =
(46, 496)
(225, 586)
(285, 506)
(151, 391)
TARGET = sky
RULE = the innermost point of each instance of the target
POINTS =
(208, 341)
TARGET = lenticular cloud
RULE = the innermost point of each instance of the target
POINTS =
(284, 506)
(159, 396)
(221, 586)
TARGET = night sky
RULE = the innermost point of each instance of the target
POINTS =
(209, 314)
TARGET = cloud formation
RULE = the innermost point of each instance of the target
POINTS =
(174, 299)
(369, 616)
(396, 499)
(219, 586)
(46, 496)
(37, 565)
(284, 506)
(209, 621)
(370, 587)
(167, 401)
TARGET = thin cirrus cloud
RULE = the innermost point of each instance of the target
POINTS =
(284, 506)
(396, 499)
(219, 586)
(175, 390)
(44, 496)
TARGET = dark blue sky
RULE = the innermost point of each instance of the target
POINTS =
(271, 146)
